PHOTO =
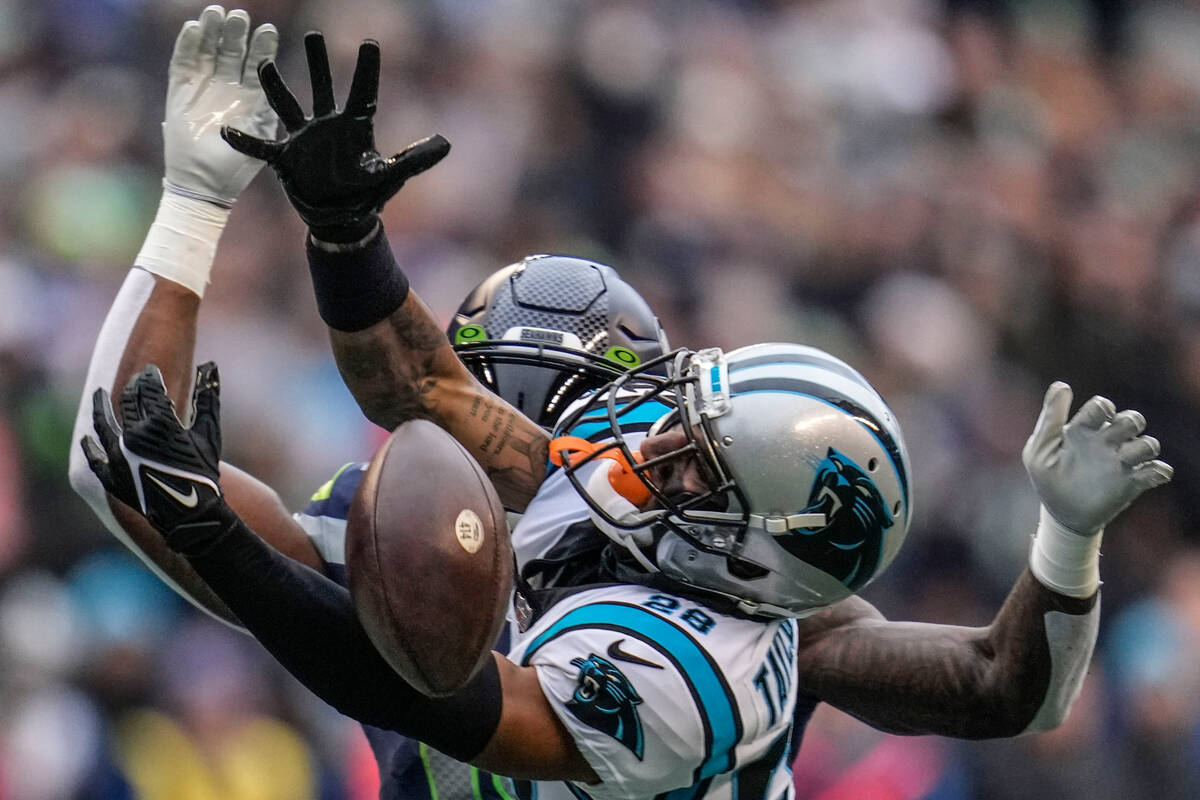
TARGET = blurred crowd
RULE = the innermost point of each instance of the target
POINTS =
(966, 199)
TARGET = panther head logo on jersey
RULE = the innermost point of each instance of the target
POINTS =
(605, 700)
(848, 546)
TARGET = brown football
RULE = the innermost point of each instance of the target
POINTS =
(428, 558)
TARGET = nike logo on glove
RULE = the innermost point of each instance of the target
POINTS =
(186, 500)
(617, 654)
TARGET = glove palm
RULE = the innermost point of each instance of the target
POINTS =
(1086, 471)
(213, 81)
(150, 462)
(328, 163)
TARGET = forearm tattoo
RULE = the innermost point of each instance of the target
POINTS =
(403, 368)
(390, 368)
(916, 678)
(519, 451)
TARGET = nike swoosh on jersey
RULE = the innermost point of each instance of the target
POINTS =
(186, 500)
(616, 653)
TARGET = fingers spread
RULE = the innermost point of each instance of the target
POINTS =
(251, 145)
(1153, 473)
(264, 43)
(104, 421)
(212, 20)
(1134, 452)
(321, 77)
(1094, 413)
(1055, 408)
(364, 88)
(187, 48)
(206, 398)
(280, 96)
(147, 394)
(419, 156)
(96, 459)
(231, 51)
(1125, 425)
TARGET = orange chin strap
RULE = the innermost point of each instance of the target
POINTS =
(621, 476)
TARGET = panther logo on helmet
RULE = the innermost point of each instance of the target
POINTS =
(848, 545)
(605, 700)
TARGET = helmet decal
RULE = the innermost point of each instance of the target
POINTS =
(623, 357)
(469, 333)
(606, 700)
(545, 331)
(856, 516)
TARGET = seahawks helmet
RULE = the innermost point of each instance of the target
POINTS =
(542, 332)
(808, 494)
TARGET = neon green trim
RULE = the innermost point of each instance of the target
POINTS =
(475, 792)
(622, 356)
(428, 771)
(327, 487)
(469, 333)
(498, 783)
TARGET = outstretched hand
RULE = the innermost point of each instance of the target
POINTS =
(212, 79)
(150, 462)
(1086, 471)
(328, 163)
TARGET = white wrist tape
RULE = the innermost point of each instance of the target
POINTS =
(182, 242)
(1065, 561)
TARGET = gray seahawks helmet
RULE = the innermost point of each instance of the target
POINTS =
(542, 332)
(808, 484)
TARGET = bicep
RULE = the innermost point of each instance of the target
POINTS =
(531, 742)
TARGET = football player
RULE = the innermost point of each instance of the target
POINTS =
(539, 333)
(743, 498)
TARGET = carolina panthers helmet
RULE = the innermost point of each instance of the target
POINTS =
(542, 332)
(808, 494)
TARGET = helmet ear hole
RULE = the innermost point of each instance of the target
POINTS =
(744, 570)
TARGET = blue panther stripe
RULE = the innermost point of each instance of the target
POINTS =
(713, 697)
(646, 413)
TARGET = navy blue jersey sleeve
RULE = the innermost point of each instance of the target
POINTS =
(324, 518)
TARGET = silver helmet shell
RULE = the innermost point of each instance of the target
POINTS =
(809, 497)
(542, 332)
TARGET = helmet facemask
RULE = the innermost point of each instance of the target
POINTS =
(806, 496)
(713, 519)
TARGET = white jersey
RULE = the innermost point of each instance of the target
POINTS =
(663, 696)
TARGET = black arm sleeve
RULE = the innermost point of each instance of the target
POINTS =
(308, 623)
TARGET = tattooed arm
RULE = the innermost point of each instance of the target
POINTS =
(403, 367)
(917, 678)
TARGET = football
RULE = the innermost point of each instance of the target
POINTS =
(428, 558)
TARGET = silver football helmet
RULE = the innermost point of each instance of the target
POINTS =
(544, 331)
(808, 494)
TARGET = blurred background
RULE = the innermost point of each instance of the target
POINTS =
(965, 199)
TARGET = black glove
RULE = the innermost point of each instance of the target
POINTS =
(154, 465)
(328, 163)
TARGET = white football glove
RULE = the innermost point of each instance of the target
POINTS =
(1088, 470)
(213, 81)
